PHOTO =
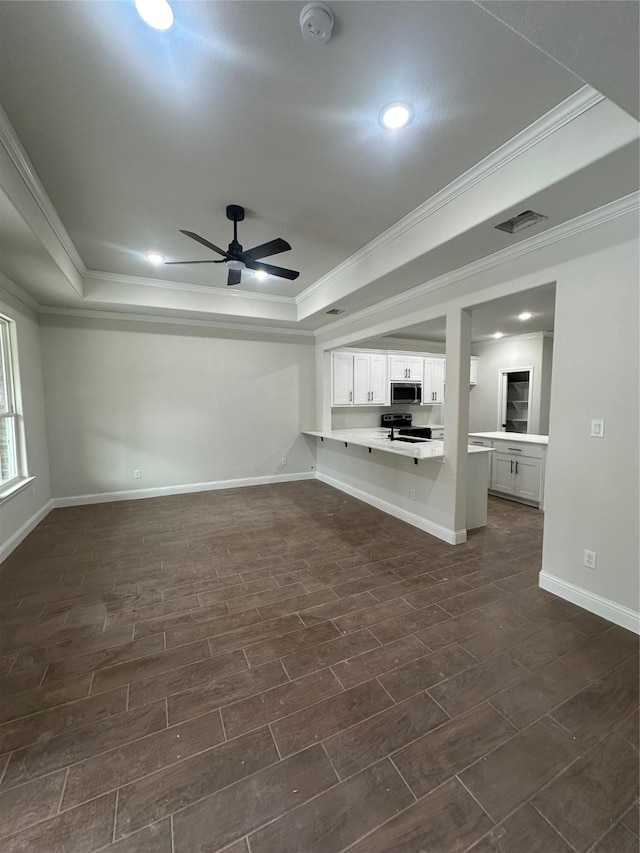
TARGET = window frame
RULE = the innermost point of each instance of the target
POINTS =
(12, 412)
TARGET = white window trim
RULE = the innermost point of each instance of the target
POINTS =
(22, 478)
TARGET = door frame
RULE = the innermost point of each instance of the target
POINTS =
(502, 393)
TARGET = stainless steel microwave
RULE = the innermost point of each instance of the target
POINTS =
(406, 392)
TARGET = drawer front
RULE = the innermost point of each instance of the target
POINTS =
(480, 442)
(517, 448)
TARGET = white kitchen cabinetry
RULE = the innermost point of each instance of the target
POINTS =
(517, 470)
(437, 433)
(341, 379)
(433, 383)
(473, 371)
(370, 384)
(359, 379)
(405, 368)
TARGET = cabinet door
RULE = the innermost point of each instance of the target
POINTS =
(528, 478)
(433, 388)
(341, 379)
(397, 368)
(414, 369)
(503, 469)
(378, 379)
(361, 384)
(473, 373)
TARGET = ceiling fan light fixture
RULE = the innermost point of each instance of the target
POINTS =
(395, 116)
(155, 258)
(260, 274)
(233, 264)
(157, 14)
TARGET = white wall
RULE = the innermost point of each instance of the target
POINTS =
(519, 351)
(184, 405)
(592, 484)
(23, 509)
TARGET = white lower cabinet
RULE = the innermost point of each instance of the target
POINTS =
(517, 471)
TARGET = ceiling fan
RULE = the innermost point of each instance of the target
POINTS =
(236, 259)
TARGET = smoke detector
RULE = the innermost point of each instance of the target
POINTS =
(316, 23)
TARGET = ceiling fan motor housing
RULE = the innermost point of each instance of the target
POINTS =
(235, 212)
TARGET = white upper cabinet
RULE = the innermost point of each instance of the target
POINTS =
(405, 368)
(433, 384)
(473, 373)
(359, 379)
(341, 379)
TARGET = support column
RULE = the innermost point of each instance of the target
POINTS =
(456, 408)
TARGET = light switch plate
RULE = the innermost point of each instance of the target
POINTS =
(597, 429)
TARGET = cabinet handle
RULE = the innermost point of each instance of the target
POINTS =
(350, 396)
(511, 467)
(478, 442)
(516, 467)
(516, 449)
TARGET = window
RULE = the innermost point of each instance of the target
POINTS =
(9, 418)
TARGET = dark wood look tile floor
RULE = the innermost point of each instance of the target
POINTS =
(283, 669)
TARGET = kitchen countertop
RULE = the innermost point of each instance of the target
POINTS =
(376, 438)
(524, 437)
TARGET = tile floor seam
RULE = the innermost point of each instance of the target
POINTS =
(62, 792)
(173, 837)
(555, 829)
(475, 799)
(199, 799)
(401, 775)
(115, 816)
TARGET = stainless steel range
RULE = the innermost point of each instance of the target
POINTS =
(400, 426)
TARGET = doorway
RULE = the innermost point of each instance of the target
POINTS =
(514, 399)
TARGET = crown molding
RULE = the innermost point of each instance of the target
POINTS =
(158, 319)
(592, 219)
(134, 280)
(18, 156)
(564, 113)
(18, 293)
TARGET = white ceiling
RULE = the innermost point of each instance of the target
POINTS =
(135, 134)
(499, 315)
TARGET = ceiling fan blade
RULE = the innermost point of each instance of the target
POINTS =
(234, 277)
(273, 247)
(281, 272)
(204, 242)
(167, 263)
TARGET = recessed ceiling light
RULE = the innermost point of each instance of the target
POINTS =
(157, 13)
(154, 258)
(395, 116)
(498, 335)
(526, 315)
(260, 274)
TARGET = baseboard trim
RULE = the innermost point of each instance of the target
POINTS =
(616, 613)
(162, 491)
(451, 537)
(13, 541)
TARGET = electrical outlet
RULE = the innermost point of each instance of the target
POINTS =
(283, 461)
(413, 494)
(590, 559)
(137, 474)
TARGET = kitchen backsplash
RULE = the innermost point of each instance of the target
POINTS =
(369, 416)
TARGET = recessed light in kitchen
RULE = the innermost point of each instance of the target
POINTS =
(156, 13)
(498, 335)
(526, 315)
(260, 274)
(154, 258)
(395, 116)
